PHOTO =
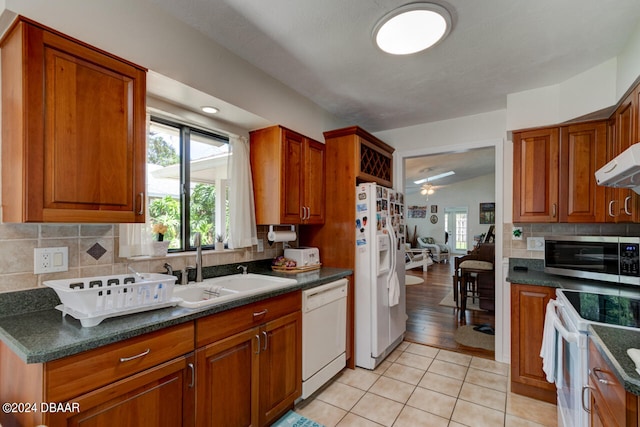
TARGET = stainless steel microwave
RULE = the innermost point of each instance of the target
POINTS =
(608, 258)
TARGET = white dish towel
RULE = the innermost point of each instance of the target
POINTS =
(634, 354)
(549, 349)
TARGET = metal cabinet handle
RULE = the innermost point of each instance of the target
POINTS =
(137, 356)
(595, 372)
(555, 210)
(266, 338)
(626, 205)
(611, 208)
(584, 407)
(258, 349)
(260, 313)
(141, 211)
(193, 375)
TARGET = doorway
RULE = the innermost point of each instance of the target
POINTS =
(449, 211)
(456, 226)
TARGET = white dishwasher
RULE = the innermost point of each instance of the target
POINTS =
(324, 334)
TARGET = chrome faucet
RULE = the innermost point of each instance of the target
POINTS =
(197, 242)
(243, 267)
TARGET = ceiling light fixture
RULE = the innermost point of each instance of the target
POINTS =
(209, 110)
(433, 178)
(412, 28)
(427, 189)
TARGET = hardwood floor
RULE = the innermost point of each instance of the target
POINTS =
(432, 324)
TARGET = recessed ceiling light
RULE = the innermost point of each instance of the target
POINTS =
(210, 110)
(412, 28)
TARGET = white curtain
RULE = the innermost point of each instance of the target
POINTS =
(135, 240)
(242, 215)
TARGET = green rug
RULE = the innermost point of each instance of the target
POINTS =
(291, 419)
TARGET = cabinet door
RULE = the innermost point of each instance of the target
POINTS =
(280, 366)
(535, 176)
(528, 308)
(314, 187)
(293, 171)
(625, 202)
(227, 381)
(583, 150)
(85, 159)
(150, 398)
(91, 146)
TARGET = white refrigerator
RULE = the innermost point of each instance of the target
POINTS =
(380, 303)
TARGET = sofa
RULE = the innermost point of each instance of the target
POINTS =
(439, 251)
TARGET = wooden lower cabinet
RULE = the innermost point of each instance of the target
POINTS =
(227, 385)
(528, 309)
(146, 380)
(253, 376)
(610, 404)
(246, 371)
(160, 396)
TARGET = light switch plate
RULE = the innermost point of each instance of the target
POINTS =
(50, 260)
(535, 243)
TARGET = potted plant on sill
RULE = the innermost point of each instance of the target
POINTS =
(160, 246)
(219, 246)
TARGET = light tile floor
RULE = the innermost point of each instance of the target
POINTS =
(419, 385)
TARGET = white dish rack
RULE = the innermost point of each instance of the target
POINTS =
(93, 299)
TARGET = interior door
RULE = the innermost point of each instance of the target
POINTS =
(456, 224)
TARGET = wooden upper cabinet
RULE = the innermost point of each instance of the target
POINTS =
(370, 158)
(623, 204)
(73, 131)
(288, 177)
(583, 150)
(535, 175)
(553, 174)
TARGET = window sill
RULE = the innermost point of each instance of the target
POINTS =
(186, 254)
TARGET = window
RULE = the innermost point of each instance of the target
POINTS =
(187, 183)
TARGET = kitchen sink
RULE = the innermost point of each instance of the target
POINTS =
(218, 290)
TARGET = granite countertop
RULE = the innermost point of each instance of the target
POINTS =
(38, 333)
(613, 344)
(535, 275)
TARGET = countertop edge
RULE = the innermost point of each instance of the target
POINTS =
(630, 383)
(150, 321)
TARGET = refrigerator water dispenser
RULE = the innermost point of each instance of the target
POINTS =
(384, 254)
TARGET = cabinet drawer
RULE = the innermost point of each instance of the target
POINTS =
(607, 384)
(227, 323)
(77, 374)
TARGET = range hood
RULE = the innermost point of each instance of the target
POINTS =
(623, 171)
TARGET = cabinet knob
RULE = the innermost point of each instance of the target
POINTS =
(193, 375)
(626, 205)
(584, 407)
(611, 208)
(258, 346)
(137, 356)
(595, 372)
(141, 211)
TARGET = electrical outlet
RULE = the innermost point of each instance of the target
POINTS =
(535, 243)
(260, 245)
(50, 260)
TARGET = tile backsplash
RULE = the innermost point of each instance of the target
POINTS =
(93, 251)
(518, 248)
